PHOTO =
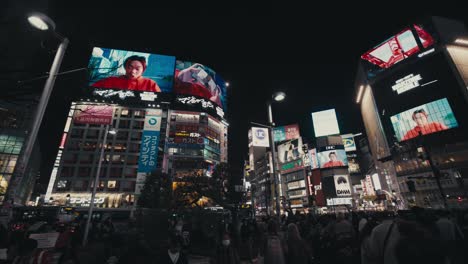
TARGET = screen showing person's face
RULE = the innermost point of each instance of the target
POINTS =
(333, 157)
(134, 69)
(420, 119)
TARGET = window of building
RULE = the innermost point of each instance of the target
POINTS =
(124, 123)
(124, 112)
(70, 158)
(130, 172)
(63, 185)
(128, 186)
(136, 135)
(80, 185)
(77, 133)
(137, 124)
(112, 185)
(73, 145)
(134, 147)
(139, 113)
(132, 160)
(115, 172)
(67, 172)
(122, 135)
(86, 158)
(84, 172)
(92, 133)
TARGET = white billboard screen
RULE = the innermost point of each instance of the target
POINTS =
(325, 123)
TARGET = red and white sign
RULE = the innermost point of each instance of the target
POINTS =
(94, 114)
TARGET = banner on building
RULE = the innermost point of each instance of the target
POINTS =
(150, 141)
(94, 114)
(348, 142)
(286, 132)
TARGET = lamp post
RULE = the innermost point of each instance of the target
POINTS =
(96, 182)
(278, 97)
(41, 22)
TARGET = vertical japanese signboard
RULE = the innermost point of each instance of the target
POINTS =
(149, 147)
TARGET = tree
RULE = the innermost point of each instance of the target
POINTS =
(156, 192)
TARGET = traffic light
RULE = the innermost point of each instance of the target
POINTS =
(459, 199)
(411, 186)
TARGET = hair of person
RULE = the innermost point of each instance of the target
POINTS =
(293, 231)
(135, 58)
(272, 226)
(419, 111)
(333, 152)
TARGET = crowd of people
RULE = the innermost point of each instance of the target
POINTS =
(413, 236)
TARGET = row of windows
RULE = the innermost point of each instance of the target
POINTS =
(297, 175)
(115, 172)
(7, 163)
(85, 185)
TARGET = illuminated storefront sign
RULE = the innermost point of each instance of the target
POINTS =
(94, 114)
(122, 94)
(286, 132)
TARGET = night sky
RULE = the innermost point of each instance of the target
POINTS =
(309, 53)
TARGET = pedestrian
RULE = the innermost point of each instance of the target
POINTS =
(226, 253)
(173, 253)
(296, 249)
(274, 246)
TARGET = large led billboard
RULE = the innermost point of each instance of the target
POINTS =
(398, 47)
(325, 123)
(199, 80)
(430, 86)
(332, 156)
(130, 70)
(424, 119)
(288, 132)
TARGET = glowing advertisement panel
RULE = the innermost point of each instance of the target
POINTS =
(325, 123)
(332, 156)
(424, 119)
(199, 80)
(130, 70)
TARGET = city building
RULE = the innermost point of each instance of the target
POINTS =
(15, 122)
(413, 100)
(179, 131)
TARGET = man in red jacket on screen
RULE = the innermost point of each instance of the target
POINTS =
(133, 79)
(423, 127)
(334, 162)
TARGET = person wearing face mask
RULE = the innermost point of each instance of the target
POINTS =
(226, 253)
(174, 254)
(133, 79)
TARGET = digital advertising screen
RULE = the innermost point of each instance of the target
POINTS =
(325, 123)
(424, 96)
(291, 150)
(353, 163)
(288, 132)
(130, 70)
(425, 119)
(332, 156)
(199, 80)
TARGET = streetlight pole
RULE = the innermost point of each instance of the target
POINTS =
(47, 24)
(273, 153)
(278, 97)
(96, 182)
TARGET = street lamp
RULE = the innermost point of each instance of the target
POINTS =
(41, 22)
(277, 97)
(113, 132)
